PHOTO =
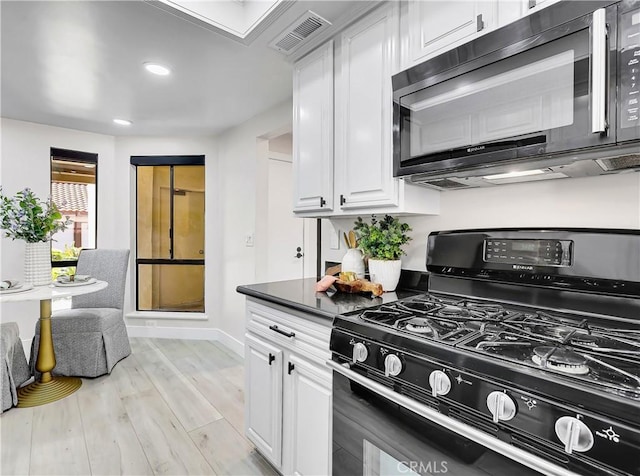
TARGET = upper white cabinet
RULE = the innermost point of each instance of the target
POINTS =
(366, 58)
(364, 110)
(434, 26)
(313, 131)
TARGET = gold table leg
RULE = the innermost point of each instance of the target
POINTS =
(49, 388)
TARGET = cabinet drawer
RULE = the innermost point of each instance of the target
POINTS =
(292, 331)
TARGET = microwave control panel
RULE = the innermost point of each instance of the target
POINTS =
(630, 69)
(528, 252)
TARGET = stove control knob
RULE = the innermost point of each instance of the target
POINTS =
(440, 383)
(360, 352)
(575, 435)
(501, 406)
(392, 365)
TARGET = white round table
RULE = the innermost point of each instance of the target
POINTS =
(49, 388)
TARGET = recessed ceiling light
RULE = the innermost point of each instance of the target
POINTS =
(122, 122)
(158, 69)
(524, 173)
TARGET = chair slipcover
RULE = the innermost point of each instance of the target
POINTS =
(91, 338)
(14, 370)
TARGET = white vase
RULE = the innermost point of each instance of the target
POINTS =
(37, 263)
(353, 261)
(385, 272)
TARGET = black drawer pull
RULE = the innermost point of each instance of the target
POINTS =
(280, 331)
(291, 367)
(271, 358)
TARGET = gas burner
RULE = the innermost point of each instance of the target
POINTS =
(562, 360)
(420, 326)
(586, 340)
(482, 306)
(456, 312)
(429, 327)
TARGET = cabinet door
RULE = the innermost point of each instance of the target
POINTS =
(436, 25)
(364, 120)
(263, 397)
(313, 131)
(308, 414)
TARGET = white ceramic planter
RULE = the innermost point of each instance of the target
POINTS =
(386, 273)
(37, 263)
(353, 261)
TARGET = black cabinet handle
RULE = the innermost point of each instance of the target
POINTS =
(280, 331)
(271, 358)
(323, 202)
(342, 200)
(290, 368)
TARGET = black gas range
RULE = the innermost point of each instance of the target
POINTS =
(527, 344)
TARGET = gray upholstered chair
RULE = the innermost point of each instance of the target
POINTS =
(14, 370)
(91, 338)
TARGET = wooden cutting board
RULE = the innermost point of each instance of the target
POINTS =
(359, 286)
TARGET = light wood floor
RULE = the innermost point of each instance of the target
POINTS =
(171, 407)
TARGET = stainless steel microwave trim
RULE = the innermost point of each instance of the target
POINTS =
(599, 72)
(456, 426)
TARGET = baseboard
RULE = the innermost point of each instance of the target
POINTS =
(201, 333)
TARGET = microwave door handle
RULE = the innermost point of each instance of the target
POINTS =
(599, 72)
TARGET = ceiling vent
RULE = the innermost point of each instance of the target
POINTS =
(299, 33)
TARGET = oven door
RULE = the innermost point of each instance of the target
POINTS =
(379, 432)
(545, 94)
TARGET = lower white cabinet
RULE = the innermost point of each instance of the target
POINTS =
(288, 389)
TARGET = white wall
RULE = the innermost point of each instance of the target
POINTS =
(611, 201)
(238, 182)
(25, 162)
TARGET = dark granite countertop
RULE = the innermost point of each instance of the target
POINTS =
(300, 294)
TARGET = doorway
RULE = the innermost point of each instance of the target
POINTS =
(288, 250)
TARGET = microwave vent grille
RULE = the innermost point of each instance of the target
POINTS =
(619, 163)
(444, 183)
(308, 25)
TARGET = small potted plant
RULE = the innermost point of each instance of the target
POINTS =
(26, 217)
(381, 242)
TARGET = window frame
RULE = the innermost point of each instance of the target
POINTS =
(82, 158)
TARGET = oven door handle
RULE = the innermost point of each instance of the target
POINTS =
(456, 426)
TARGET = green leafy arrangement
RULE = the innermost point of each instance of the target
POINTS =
(26, 217)
(383, 239)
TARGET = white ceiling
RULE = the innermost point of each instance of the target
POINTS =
(78, 64)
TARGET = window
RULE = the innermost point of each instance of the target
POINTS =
(73, 190)
(170, 205)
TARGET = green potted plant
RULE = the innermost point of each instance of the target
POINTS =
(26, 217)
(381, 242)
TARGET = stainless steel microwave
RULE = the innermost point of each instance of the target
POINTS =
(554, 94)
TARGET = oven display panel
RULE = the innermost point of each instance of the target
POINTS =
(531, 252)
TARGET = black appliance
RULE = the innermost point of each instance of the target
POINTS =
(523, 357)
(552, 95)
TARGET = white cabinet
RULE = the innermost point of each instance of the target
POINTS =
(364, 97)
(308, 402)
(366, 58)
(288, 388)
(435, 26)
(313, 131)
(263, 412)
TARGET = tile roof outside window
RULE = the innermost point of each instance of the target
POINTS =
(69, 197)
